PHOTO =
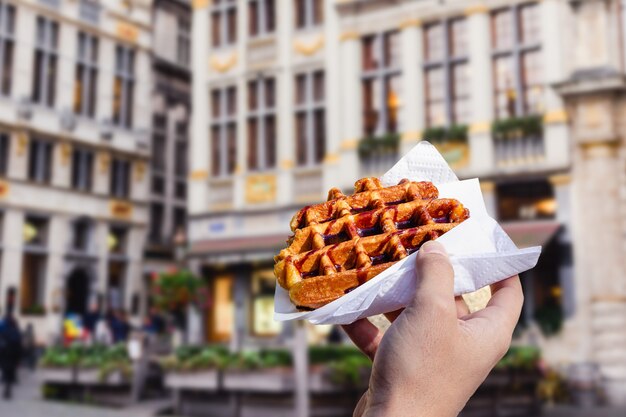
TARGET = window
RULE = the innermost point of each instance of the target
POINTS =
(46, 56)
(40, 161)
(309, 13)
(7, 43)
(381, 83)
(179, 219)
(86, 81)
(32, 288)
(224, 130)
(517, 65)
(82, 169)
(120, 178)
(445, 73)
(35, 231)
(263, 288)
(5, 142)
(156, 223)
(81, 233)
(183, 41)
(526, 201)
(261, 124)
(310, 118)
(261, 17)
(159, 143)
(181, 157)
(123, 86)
(117, 240)
(224, 22)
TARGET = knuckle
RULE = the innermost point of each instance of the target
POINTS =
(434, 263)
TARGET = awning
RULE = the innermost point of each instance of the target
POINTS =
(239, 245)
(531, 233)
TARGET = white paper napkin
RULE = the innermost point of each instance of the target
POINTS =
(480, 251)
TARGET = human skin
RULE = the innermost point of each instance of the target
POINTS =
(435, 354)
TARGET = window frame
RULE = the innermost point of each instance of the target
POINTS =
(88, 61)
(46, 93)
(447, 63)
(180, 173)
(264, 160)
(7, 37)
(222, 9)
(516, 51)
(120, 178)
(265, 23)
(41, 172)
(381, 74)
(310, 22)
(222, 123)
(85, 159)
(125, 72)
(5, 153)
(308, 107)
(183, 41)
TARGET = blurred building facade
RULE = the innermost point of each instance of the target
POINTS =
(75, 118)
(292, 98)
(171, 106)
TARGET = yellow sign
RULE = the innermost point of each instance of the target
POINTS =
(309, 48)
(198, 175)
(261, 188)
(223, 64)
(66, 153)
(105, 161)
(140, 170)
(199, 4)
(22, 143)
(127, 32)
(121, 209)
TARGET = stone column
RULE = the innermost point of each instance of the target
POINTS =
(12, 238)
(54, 281)
(556, 134)
(199, 161)
(285, 157)
(351, 109)
(481, 90)
(66, 71)
(413, 111)
(23, 59)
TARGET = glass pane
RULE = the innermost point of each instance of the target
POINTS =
(300, 89)
(252, 144)
(270, 93)
(435, 97)
(300, 126)
(94, 49)
(504, 84)
(318, 86)
(434, 42)
(217, 30)
(300, 13)
(78, 89)
(54, 35)
(392, 49)
(502, 29)
(232, 147)
(318, 11)
(529, 24)
(232, 26)
(371, 100)
(41, 31)
(216, 108)
(252, 95)
(393, 103)
(371, 59)
(93, 88)
(7, 67)
(253, 18)
(270, 16)
(231, 101)
(216, 150)
(532, 81)
(460, 94)
(320, 134)
(82, 45)
(458, 38)
(270, 141)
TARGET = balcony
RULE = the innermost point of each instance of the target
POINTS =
(518, 142)
(377, 154)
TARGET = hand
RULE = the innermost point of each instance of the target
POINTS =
(435, 354)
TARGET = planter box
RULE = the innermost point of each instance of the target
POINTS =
(56, 375)
(200, 380)
(92, 377)
(263, 380)
(320, 381)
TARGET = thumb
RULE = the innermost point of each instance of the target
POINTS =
(435, 278)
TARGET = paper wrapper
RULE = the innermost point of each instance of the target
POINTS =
(480, 251)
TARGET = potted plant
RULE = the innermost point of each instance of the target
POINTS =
(195, 368)
(336, 367)
(58, 364)
(268, 370)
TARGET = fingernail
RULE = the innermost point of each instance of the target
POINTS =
(433, 247)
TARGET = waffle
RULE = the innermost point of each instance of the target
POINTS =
(346, 241)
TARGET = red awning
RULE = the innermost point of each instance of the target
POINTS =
(531, 233)
(239, 245)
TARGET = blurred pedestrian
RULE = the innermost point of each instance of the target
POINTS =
(91, 320)
(120, 327)
(29, 346)
(10, 352)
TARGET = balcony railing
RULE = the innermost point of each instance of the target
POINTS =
(518, 141)
(378, 154)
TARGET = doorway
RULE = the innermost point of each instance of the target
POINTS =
(77, 292)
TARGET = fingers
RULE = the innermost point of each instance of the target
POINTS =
(435, 277)
(392, 316)
(365, 336)
(461, 307)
